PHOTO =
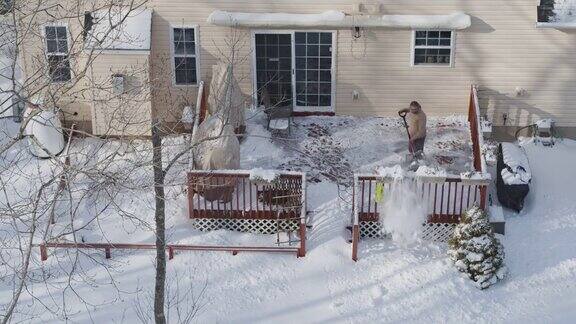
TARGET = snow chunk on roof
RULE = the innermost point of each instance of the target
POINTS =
(121, 30)
(337, 19)
(518, 170)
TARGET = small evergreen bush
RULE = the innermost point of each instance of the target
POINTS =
(475, 250)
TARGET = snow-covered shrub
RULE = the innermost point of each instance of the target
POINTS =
(475, 250)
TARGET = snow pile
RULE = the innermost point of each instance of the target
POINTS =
(517, 171)
(475, 250)
(216, 146)
(337, 19)
(394, 172)
(425, 171)
(403, 211)
(120, 30)
(261, 175)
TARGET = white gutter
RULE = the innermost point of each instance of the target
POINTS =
(337, 19)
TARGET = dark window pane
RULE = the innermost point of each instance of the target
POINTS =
(431, 59)
(433, 34)
(190, 76)
(300, 75)
(420, 41)
(272, 64)
(312, 50)
(62, 46)
(420, 34)
(326, 63)
(301, 100)
(189, 35)
(312, 100)
(419, 59)
(272, 51)
(284, 39)
(261, 76)
(300, 87)
(433, 42)
(50, 32)
(52, 47)
(445, 34)
(300, 63)
(312, 88)
(300, 38)
(325, 76)
(59, 68)
(445, 42)
(260, 64)
(178, 34)
(325, 88)
(324, 101)
(312, 76)
(285, 76)
(326, 38)
(313, 38)
(260, 51)
(179, 48)
(312, 63)
(260, 39)
(444, 52)
(190, 48)
(271, 39)
(191, 63)
(419, 51)
(285, 51)
(300, 50)
(326, 50)
(285, 64)
(61, 32)
(433, 52)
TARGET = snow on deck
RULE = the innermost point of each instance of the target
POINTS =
(334, 148)
(390, 283)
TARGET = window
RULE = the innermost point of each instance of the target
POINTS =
(57, 53)
(184, 50)
(433, 47)
(313, 53)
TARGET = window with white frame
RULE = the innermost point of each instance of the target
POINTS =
(184, 51)
(57, 53)
(433, 47)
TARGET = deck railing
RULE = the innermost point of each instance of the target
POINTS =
(446, 197)
(233, 200)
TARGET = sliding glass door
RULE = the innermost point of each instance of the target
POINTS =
(295, 68)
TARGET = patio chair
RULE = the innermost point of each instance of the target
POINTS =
(279, 115)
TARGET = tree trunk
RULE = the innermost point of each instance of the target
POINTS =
(160, 217)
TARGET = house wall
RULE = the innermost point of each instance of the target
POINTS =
(503, 50)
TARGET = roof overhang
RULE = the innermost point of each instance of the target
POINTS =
(337, 19)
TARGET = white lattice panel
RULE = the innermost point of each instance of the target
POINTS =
(436, 232)
(259, 226)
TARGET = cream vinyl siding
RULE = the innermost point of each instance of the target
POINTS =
(502, 51)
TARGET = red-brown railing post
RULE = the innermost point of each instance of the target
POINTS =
(190, 196)
(483, 197)
(108, 253)
(170, 253)
(355, 241)
(43, 252)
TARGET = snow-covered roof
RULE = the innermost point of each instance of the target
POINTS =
(337, 19)
(120, 30)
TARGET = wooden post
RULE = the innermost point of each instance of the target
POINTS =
(108, 253)
(190, 196)
(302, 249)
(43, 252)
(170, 253)
(483, 197)
(355, 239)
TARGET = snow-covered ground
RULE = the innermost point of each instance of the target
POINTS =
(389, 283)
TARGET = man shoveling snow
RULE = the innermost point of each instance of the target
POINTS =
(415, 123)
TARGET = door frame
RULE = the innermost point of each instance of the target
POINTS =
(301, 109)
